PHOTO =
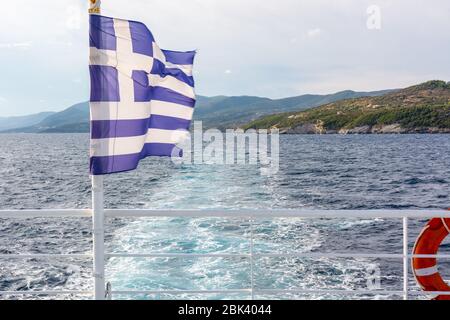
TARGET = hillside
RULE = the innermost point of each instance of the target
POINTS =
(421, 108)
(229, 112)
(78, 113)
(218, 112)
(72, 119)
(7, 123)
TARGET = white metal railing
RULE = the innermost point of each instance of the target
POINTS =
(250, 215)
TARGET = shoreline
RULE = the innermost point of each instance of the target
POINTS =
(282, 132)
(384, 129)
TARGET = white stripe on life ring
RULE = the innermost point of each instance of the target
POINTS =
(426, 271)
(445, 225)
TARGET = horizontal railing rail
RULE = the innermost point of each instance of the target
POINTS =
(46, 213)
(44, 293)
(251, 216)
(228, 255)
(254, 214)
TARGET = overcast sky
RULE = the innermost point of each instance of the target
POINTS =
(245, 47)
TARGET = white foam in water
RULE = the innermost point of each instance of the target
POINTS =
(351, 223)
(201, 236)
(228, 236)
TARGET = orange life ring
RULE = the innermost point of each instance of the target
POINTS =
(425, 269)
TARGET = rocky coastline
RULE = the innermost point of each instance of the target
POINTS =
(310, 128)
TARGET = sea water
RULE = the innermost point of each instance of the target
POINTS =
(322, 172)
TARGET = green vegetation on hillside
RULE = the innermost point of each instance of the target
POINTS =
(426, 105)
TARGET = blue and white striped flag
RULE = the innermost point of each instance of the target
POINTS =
(142, 97)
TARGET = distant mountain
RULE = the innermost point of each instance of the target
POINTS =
(7, 123)
(223, 112)
(72, 119)
(78, 113)
(424, 108)
(219, 112)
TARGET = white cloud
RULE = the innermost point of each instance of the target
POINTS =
(60, 43)
(13, 45)
(313, 33)
(339, 80)
(3, 100)
(73, 17)
(228, 71)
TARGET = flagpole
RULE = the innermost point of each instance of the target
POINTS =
(98, 237)
(98, 215)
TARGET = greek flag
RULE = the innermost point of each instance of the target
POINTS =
(142, 97)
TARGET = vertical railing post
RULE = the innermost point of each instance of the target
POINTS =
(405, 259)
(98, 237)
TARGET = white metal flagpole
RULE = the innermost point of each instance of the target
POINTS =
(98, 215)
(98, 237)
